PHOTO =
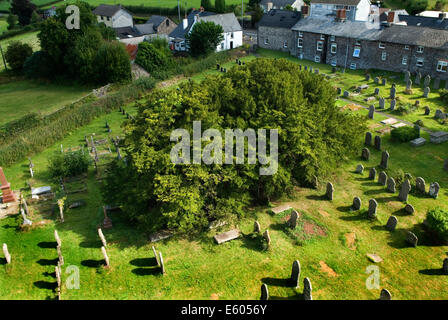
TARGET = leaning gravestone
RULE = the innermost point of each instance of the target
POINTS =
(295, 274)
(56, 237)
(409, 85)
(156, 256)
(365, 154)
(384, 159)
(267, 237)
(391, 185)
(292, 222)
(427, 111)
(393, 103)
(106, 257)
(434, 190)
(264, 290)
(162, 264)
(404, 191)
(6, 254)
(359, 168)
(385, 295)
(439, 114)
(257, 228)
(227, 236)
(393, 92)
(356, 203)
(368, 139)
(307, 289)
(420, 185)
(378, 143)
(382, 178)
(445, 266)
(392, 223)
(381, 103)
(377, 91)
(426, 92)
(371, 111)
(373, 205)
(330, 191)
(372, 174)
(427, 81)
(418, 78)
(103, 239)
(412, 239)
(409, 209)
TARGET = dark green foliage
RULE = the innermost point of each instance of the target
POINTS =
(16, 54)
(68, 164)
(107, 33)
(12, 21)
(314, 137)
(444, 95)
(416, 6)
(154, 56)
(23, 9)
(112, 64)
(35, 18)
(404, 134)
(439, 5)
(256, 15)
(38, 65)
(220, 6)
(437, 220)
(207, 4)
(204, 38)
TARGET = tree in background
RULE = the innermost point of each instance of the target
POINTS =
(416, 6)
(112, 64)
(12, 21)
(24, 10)
(154, 56)
(35, 17)
(207, 4)
(220, 6)
(256, 15)
(16, 54)
(440, 5)
(204, 38)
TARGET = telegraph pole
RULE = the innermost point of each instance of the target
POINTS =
(242, 15)
(3, 58)
(178, 9)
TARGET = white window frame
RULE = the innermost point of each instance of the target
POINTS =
(322, 37)
(317, 59)
(299, 43)
(381, 45)
(442, 66)
(334, 48)
(266, 41)
(333, 38)
(300, 34)
(420, 49)
(404, 60)
(321, 45)
(356, 52)
(334, 63)
(420, 62)
(352, 66)
(383, 56)
(406, 47)
(285, 44)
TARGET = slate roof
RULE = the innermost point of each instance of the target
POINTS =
(278, 3)
(180, 32)
(420, 21)
(147, 28)
(156, 20)
(419, 36)
(280, 19)
(107, 10)
(227, 21)
(125, 32)
(341, 2)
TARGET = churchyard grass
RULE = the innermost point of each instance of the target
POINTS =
(3, 24)
(197, 268)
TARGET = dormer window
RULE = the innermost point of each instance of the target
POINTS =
(381, 45)
(333, 38)
(406, 47)
(300, 34)
(420, 49)
(322, 37)
(320, 46)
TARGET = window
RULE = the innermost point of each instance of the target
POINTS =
(420, 62)
(356, 52)
(320, 45)
(222, 46)
(383, 56)
(381, 45)
(442, 66)
(357, 43)
(266, 41)
(353, 66)
(300, 43)
(167, 22)
(322, 37)
(333, 38)
(317, 59)
(231, 35)
(285, 44)
(300, 34)
(333, 63)
(420, 49)
(404, 60)
(108, 18)
(334, 48)
(406, 47)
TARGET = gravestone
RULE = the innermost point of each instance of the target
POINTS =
(392, 223)
(381, 103)
(307, 289)
(434, 190)
(393, 92)
(436, 83)
(316, 71)
(377, 80)
(427, 111)
(418, 142)
(267, 237)
(385, 295)
(378, 143)
(359, 168)
(393, 103)
(367, 77)
(418, 78)
(6, 254)
(257, 228)
(330, 191)
(383, 81)
(346, 94)
(368, 139)
(60, 257)
(156, 256)
(356, 203)
(227, 236)
(311, 69)
(58, 276)
(373, 205)
(56, 237)
(417, 103)
(427, 81)
(439, 114)
(391, 185)
(372, 174)
(407, 76)
(409, 209)
(426, 92)
(339, 91)
(217, 66)
(404, 191)
(105, 256)
(377, 91)
(384, 159)
(264, 290)
(382, 178)
(445, 266)
(26, 221)
(409, 85)
(292, 222)
(371, 111)
(412, 239)
(295, 274)
(420, 185)
(365, 154)
(162, 264)
(8, 195)
(103, 239)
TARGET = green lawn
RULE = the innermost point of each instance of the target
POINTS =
(3, 24)
(197, 268)
(30, 38)
(24, 96)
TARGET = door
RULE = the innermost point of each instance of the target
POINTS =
(231, 45)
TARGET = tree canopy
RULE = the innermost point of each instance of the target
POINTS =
(204, 38)
(23, 9)
(220, 6)
(314, 135)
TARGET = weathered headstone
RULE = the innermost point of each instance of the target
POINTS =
(378, 143)
(393, 103)
(382, 178)
(346, 94)
(371, 111)
(412, 239)
(404, 191)
(417, 103)
(330, 191)
(377, 91)
(393, 92)
(426, 92)
(407, 76)
(384, 159)
(373, 205)
(156, 256)
(257, 228)
(377, 80)
(359, 168)
(292, 221)
(105, 256)
(385, 295)
(372, 174)
(356, 203)
(381, 103)
(267, 237)
(409, 85)
(295, 274)
(56, 237)
(368, 139)
(439, 114)
(434, 190)
(365, 154)
(427, 111)
(391, 184)
(339, 91)
(307, 289)
(26, 221)
(162, 264)
(420, 185)
(6, 254)
(227, 236)
(427, 81)
(264, 290)
(367, 77)
(418, 78)
(383, 81)
(409, 209)
(103, 239)
(392, 223)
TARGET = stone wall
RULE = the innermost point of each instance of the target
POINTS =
(277, 37)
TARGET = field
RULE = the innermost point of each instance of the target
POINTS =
(4, 5)
(3, 24)
(331, 241)
(30, 38)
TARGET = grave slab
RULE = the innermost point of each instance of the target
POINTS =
(227, 236)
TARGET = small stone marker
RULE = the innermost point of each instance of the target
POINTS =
(393, 92)
(292, 222)
(434, 190)
(227, 236)
(359, 168)
(407, 76)
(382, 178)
(427, 111)
(427, 81)
(384, 159)
(420, 185)
(392, 223)
(409, 85)
(339, 91)
(162, 264)
(307, 289)
(445, 266)
(346, 94)
(372, 174)
(378, 143)
(257, 228)
(385, 295)
(371, 111)
(295, 273)
(365, 154)
(404, 192)
(6, 254)
(106, 258)
(267, 237)
(418, 142)
(330, 191)
(411, 238)
(368, 139)
(393, 103)
(381, 103)
(103, 239)
(156, 256)
(439, 114)
(356, 203)
(264, 292)
(377, 80)
(391, 185)
(383, 81)
(374, 258)
(426, 92)
(372, 208)
(409, 209)
(281, 208)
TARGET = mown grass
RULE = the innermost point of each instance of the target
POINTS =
(197, 268)
(30, 38)
(3, 24)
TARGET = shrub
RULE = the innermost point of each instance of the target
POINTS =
(437, 220)
(443, 93)
(404, 134)
(154, 56)
(420, 123)
(146, 83)
(16, 54)
(38, 65)
(112, 64)
(68, 164)
(204, 38)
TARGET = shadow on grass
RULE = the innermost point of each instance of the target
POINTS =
(401, 213)
(317, 197)
(94, 244)
(47, 244)
(358, 216)
(93, 263)
(344, 209)
(277, 282)
(432, 272)
(298, 296)
(386, 199)
(48, 262)
(370, 184)
(144, 262)
(362, 179)
(373, 192)
(8, 226)
(2, 261)
(49, 274)
(253, 241)
(146, 271)
(380, 228)
(46, 285)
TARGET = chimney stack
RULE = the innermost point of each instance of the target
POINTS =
(341, 15)
(391, 17)
(269, 6)
(305, 11)
(201, 9)
(185, 23)
(442, 16)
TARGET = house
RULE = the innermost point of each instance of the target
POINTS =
(268, 5)
(356, 10)
(429, 22)
(431, 14)
(274, 30)
(113, 16)
(156, 27)
(129, 35)
(233, 33)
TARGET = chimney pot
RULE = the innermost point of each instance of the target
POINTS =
(391, 17)
(305, 10)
